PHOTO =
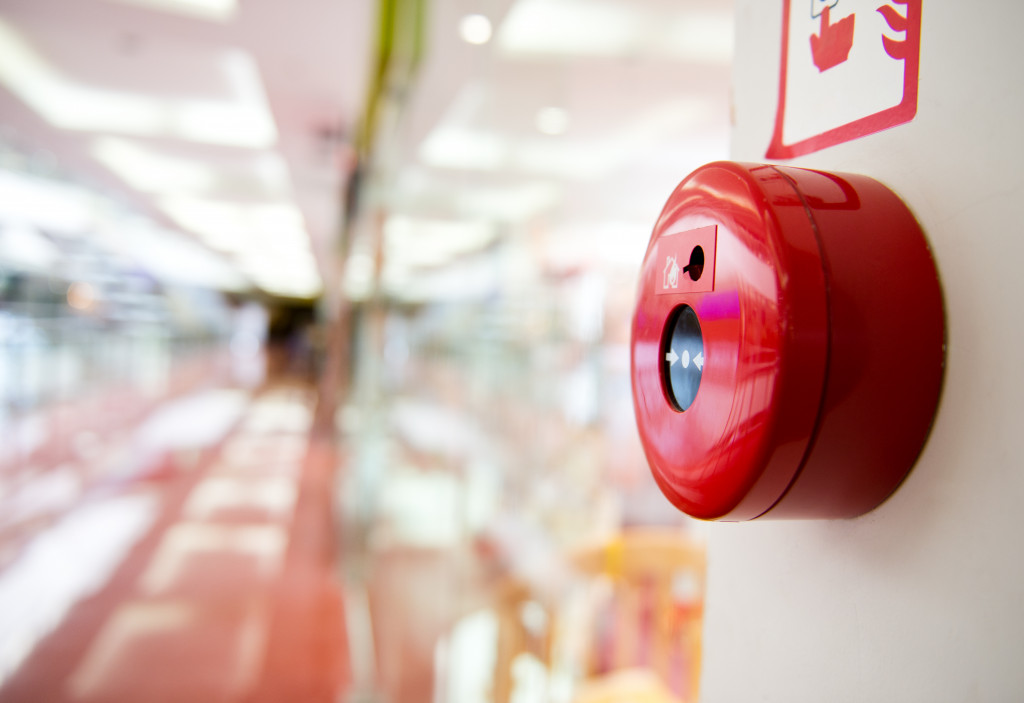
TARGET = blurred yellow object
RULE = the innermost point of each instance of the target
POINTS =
(626, 686)
(658, 607)
(637, 552)
(639, 643)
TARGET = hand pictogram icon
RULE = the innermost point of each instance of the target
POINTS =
(832, 45)
(849, 68)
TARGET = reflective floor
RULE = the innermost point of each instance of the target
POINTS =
(196, 544)
(187, 555)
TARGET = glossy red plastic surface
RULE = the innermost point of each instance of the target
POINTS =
(823, 337)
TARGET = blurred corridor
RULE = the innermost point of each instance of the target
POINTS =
(314, 373)
(183, 554)
(195, 543)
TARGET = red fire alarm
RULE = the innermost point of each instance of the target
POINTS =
(788, 344)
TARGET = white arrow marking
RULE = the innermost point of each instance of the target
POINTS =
(686, 358)
(672, 357)
(699, 361)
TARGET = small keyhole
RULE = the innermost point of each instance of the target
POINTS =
(696, 266)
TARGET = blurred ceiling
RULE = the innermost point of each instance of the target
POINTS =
(235, 121)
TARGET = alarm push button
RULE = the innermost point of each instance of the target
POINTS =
(787, 344)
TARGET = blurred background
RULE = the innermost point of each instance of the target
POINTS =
(314, 368)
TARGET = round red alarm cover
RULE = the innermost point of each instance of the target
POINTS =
(788, 343)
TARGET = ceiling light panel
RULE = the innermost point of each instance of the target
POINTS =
(215, 10)
(236, 227)
(462, 148)
(267, 261)
(24, 247)
(412, 242)
(475, 29)
(465, 280)
(50, 205)
(502, 199)
(466, 147)
(615, 28)
(570, 27)
(288, 284)
(149, 169)
(173, 258)
(552, 120)
(507, 201)
(301, 282)
(512, 203)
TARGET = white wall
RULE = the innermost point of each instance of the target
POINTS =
(923, 599)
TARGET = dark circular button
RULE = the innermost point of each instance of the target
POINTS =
(682, 354)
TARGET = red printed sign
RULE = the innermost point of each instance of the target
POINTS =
(686, 261)
(849, 69)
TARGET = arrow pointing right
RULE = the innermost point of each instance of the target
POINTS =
(671, 357)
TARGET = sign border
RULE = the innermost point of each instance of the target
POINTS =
(898, 114)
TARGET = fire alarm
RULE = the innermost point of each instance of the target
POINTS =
(788, 344)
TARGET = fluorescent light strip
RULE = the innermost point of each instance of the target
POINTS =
(291, 287)
(460, 147)
(46, 204)
(552, 120)
(615, 28)
(475, 29)
(510, 204)
(270, 270)
(569, 28)
(415, 242)
(270, 241)
(172, 257)
(153, 171)
(235, 227)
(150, 171)
(216, 10)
